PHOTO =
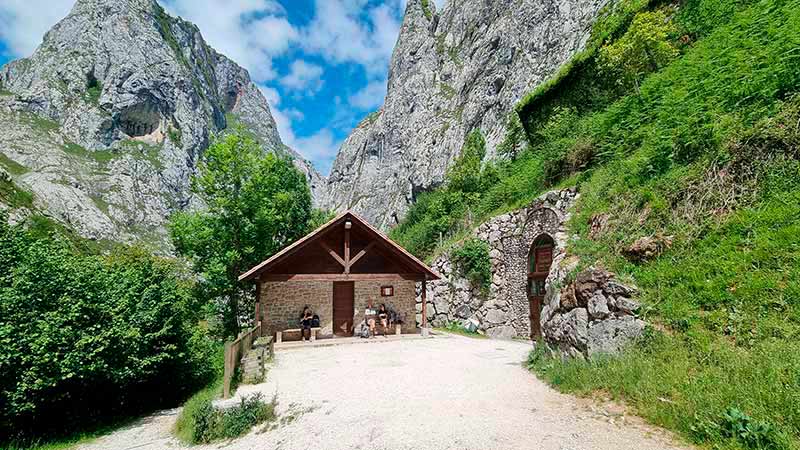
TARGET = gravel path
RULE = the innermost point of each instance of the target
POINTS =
(449, 392)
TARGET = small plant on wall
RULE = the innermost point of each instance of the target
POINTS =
(473, 263)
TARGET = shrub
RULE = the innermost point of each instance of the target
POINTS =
(200, 422)
(87, 339)
(643, 49)
(473, 262)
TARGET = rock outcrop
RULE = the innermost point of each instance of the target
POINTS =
(105, 122)
(452, 71)
(503, 311)
(594, 314)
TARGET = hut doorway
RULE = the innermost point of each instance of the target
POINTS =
(343, 307)
(540, 258)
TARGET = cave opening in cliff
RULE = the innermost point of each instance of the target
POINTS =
(139, 120)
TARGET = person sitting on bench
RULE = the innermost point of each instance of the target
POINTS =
(383, 316)
(306, 319)
(370, 315)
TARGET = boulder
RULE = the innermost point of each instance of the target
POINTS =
(626, 305)
(568, 300)
(598, 306)
(613, 287)
(612, 335)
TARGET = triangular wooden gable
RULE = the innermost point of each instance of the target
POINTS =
(337, 250)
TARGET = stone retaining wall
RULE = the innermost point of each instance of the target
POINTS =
(504, 311)
(593, 314)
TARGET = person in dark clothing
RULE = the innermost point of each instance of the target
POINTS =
(306, 319)
(383, 316)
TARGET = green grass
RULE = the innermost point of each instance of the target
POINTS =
(102, 157)
(200, 422)
(150, 153)
(14, 196)
(13, 167)
(707, 152)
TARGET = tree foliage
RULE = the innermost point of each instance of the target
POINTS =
(257, 203)
(436, 214)
(86, 338)
(643, 49)
(473, 262)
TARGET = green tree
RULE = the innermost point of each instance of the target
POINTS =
(85, 339)
(257, 203)
(465, 175)
(643, 49)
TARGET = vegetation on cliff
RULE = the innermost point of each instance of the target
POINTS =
(678, 123)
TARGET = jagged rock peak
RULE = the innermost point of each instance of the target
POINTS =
(453, 70)
(135, 96)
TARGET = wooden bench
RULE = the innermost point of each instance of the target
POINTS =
(279, 334)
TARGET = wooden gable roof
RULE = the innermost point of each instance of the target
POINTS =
(335, 251)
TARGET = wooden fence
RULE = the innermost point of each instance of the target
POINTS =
(233, 355)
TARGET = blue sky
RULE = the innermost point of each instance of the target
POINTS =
(322, 64)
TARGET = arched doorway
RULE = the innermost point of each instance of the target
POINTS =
(540, 258)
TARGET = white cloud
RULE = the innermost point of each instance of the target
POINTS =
(303, 76)
(320, 147)
(348, 31)
(250, 32)
(24, 22)
(370, 96)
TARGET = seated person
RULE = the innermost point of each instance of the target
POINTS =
(383, 316)
(369, 315)
(306, 319)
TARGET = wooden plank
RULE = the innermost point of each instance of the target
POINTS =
(424, 303)
(346, 249)
(228, 373)
(333, 254)
(342, 277)
(361, 254)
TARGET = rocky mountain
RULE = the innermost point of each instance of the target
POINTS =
(452, 71)
(105, 122)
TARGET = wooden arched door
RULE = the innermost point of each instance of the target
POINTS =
(540, 258)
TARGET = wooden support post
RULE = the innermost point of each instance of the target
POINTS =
(346, 247)
(228, 372)
(425, 306)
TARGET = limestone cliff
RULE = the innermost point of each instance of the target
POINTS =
(105, 122)
(462, 68)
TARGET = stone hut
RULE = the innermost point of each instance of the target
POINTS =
(336, 270)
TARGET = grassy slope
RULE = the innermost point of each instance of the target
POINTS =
(707, 153)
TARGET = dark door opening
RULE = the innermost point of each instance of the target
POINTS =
(343, 308)
(540, 259)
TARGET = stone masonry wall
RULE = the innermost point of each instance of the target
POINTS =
(403, 300)
(282, 302)
(504, 312)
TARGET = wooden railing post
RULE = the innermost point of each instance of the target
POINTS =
(228, 374)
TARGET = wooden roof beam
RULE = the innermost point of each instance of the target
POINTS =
(333, 254)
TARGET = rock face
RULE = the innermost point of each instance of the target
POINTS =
(504, 311)
(105, 122)
(452, 71)
(592, 315)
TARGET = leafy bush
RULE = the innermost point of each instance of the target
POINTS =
(473, 262)
(200, 422)
(86, 339)
(643, 49)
